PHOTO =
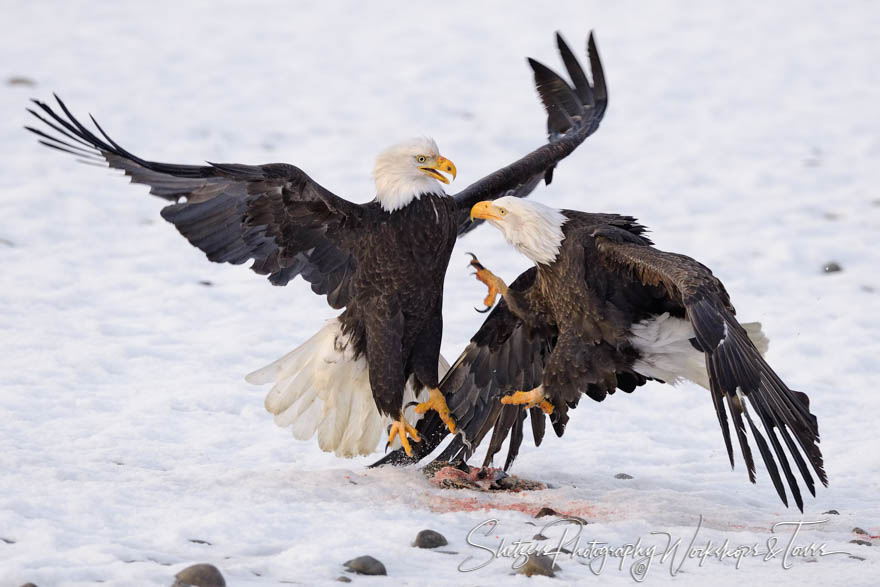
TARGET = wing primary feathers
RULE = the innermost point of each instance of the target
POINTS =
(573, 114)
(600, 91)
(578, 77)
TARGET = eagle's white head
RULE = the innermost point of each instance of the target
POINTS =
(409, 169)
(534, 229)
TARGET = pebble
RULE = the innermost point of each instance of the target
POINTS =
(20, 80)
(343, 579)
(832, 267)
(32, 585)
(858, 530)
(860, 542)
(832, 512)
(429, 539)
(539, 536)
(623, 476)
(545, 511)
(365, 565)
(538, 564)
(201, 575)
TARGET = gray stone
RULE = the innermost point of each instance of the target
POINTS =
(545, 511)
(539, 536)
(32, 585)
(832, 267)
(538, 564)
(365, 565)
(343, 579)
(858, 530)
(623, 476)
(832, 512)
(860, 542)
(201, 575)
(20, 80)
(429, 539)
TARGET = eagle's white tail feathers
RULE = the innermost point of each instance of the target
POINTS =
(667, 353)
(320, 388)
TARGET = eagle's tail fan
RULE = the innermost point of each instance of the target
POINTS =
(320, 388)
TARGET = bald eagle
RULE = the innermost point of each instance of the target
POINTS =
(384, 262)
(601, 310)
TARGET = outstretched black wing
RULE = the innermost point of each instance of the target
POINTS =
(573, 114)
(274, 214)
(737, 371)
(504, 355)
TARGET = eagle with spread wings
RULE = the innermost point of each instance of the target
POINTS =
(382, 262)
(603, 310)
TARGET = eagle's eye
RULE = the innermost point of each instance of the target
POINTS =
(502, 211)
(421, 159)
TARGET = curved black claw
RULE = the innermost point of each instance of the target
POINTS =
(475, 262)
(484, 310)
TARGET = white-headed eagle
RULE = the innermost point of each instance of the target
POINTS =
(384, 262)
(601, 310)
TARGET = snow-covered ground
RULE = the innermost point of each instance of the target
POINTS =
(744, 135)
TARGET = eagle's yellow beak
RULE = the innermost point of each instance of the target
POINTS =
(486, 210)
(440, 163)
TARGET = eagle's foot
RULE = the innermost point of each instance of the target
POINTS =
(495, 284)
(401, 428)
(437, 403)
(529, 399)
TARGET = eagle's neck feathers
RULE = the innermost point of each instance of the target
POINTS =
(394, 191)
(534, 229)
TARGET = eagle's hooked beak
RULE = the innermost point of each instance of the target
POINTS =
(486, 210)
(440, 163)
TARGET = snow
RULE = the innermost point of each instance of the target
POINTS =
(743, 134)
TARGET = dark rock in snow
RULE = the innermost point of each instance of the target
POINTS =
(365, 565)
(206, 283)
(32, 585)
(623, 476)
(539, 536)
(201, 575)
(858, 530)
(860, 542)
(20, 80)
(545, 511)
(832, 512)
(343, 579)
(832, 267)
(429, 539)
(538, 564)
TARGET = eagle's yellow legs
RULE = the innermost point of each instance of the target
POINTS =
(493, 282)
(401, 429)
(529, 399)
(437, 403)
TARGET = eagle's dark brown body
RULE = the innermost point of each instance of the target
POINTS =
(395, 318)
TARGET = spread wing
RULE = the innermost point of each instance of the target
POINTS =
(274, 214)
(741, 381)
(573, 114)
(504, 355)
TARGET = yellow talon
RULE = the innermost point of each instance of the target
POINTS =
(529, 399)
(401, 429)
(495, 284)
(437, 403)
